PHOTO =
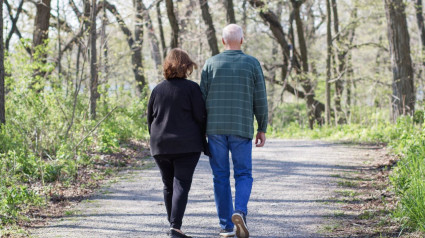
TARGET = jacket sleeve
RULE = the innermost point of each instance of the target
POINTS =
(204, 81)
(150, 110)
(260, 99)
(199, 111)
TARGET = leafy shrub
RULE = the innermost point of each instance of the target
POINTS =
(43, 140)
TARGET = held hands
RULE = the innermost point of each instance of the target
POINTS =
(261, 136)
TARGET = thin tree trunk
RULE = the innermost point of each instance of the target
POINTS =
(93, 63)
(161, 30)
(212, 39)
(138, 45)
(155, 51)
(271, 89)
(421, 26)
(230, 12)
(244, 15)
(328, 63)
(14, 21)
(349, 80)
(173, 23)
(2, 74)
(420, 22)
(59, 40)
(304, 61)
(104, 47)
(135, 44)
(41, 24)
(339, 86)
(399, 42)
(300, 33)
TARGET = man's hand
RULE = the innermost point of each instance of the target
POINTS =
(261, 136)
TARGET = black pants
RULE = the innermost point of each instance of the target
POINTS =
(177, 172)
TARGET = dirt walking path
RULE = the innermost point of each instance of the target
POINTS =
(293, 181)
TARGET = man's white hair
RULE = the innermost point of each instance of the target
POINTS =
(232, 34)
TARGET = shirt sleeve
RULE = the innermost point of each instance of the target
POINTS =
(150, 110)
(204, 81)
(260, 99)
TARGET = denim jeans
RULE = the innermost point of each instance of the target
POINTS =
(241, 149)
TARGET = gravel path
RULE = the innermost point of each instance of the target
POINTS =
(293, 181)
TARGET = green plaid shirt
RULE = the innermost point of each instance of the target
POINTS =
(234, 90)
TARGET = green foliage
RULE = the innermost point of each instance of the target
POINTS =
(46, 122)
(408, 179)
(418, 118)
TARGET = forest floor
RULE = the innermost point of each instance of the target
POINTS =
(301, 189)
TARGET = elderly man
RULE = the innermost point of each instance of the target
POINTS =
(233, 87)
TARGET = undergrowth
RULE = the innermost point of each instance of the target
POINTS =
(48, 131)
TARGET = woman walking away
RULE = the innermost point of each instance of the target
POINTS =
(177, 121)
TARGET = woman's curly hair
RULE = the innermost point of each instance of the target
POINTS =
(178, 64)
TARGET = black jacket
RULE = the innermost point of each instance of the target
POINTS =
(176, 118)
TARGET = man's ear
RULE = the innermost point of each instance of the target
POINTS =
(241, 40)
(222, 41)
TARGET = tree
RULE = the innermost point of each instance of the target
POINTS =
(173, 23)
(230, 12)
(14, 20)
(399, 41)
(212, 39)
(328, 62)
(93, 62)
(2, 74)
(315, 107)
(155, 51)
(339, 86)
(134, 42)
(161, 30)
(421, 26)
(42, 22)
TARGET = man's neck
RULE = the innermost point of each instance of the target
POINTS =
(233, 47)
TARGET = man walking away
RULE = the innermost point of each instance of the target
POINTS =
(233, 87)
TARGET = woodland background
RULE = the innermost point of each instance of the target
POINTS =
(75, 76)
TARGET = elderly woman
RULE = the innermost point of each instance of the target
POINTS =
(177, 121)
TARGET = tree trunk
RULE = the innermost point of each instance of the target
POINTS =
(14, 21)
(300, 33)
(41, 24)
(2, 74)
(104, 47)
(155, 51)
(315, 108)
(137, 59)
(339, 86)
(328, 63)
(304, 59)
(230, 12)
(135, 44)
(399, 42)
(173, 23)
(212, 39)
(93, 63)
(420, 21)
(59, 39)
(161, 30)
(421, 26)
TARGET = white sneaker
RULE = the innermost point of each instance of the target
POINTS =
(227, 233)
(241, 229)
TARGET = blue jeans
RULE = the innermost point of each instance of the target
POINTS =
(241, 149)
